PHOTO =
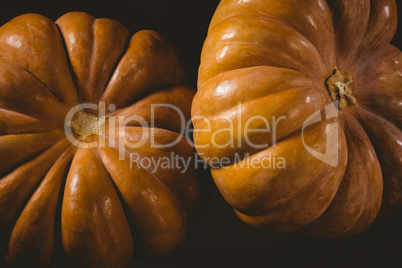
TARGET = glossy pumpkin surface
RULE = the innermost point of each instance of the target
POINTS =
(325, 63)
(92, 203)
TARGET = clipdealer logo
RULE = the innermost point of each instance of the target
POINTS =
(331, 155)
(84, 124)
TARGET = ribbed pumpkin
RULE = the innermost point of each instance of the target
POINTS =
(95, 204)
(327, 75)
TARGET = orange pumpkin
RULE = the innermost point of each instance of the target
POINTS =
(96, 203)
(316, 86)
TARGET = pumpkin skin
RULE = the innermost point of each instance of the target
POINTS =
(87, 201)
(277, 57)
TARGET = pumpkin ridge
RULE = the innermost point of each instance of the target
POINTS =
(50, 69)
(379, 115)
(30, 125)
(21, 114)
(258, 98)
(158, 49)
(252, 68)
(226, 8)
(19, 236)
(104, 156)
(40, 81)
(70, 68)
(188, 211)
(286, 25)
(125, 151)
(246, 155)
(364, 48)
(391, 201)
(328, 215)
(116, 64)
(31, 164)
(35, 153)
(91, 82)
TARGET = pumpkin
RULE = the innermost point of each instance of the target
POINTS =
(61, 187)
(299, 113)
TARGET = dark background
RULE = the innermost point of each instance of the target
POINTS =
(218, 237)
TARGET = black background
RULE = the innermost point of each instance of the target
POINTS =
(218, 237)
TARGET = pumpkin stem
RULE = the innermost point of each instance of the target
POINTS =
(339, 88)
(85, 124)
